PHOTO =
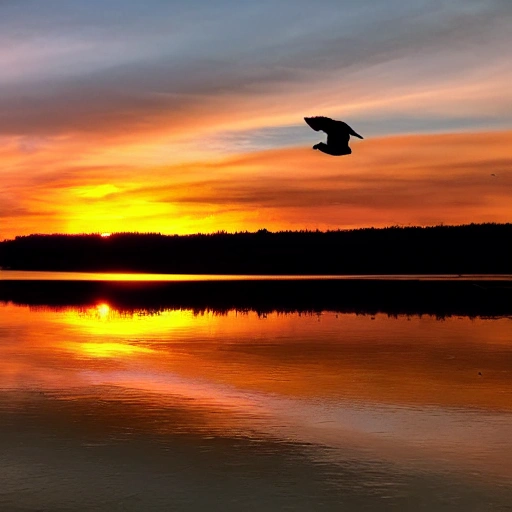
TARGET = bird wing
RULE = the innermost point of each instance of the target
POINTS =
(334, 129)
(320, 123)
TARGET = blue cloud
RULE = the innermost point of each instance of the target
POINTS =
(99, 64)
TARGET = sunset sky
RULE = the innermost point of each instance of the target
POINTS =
(186, 117)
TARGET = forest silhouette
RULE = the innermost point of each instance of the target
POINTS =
(466, 249)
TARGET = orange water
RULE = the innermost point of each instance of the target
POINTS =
(104, 410)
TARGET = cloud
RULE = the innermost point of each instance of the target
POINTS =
(424, 179)
(412, 186)
(190, 114)
(168, 67)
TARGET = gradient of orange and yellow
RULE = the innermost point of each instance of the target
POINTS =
(184, 119)
(326, 379)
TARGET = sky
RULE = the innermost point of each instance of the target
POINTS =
(187, 117)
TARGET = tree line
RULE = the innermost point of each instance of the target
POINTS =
(467, 249)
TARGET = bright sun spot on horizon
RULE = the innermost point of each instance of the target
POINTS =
(105, 235)
(103, 310)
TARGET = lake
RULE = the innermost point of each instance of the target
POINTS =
(38, 275)
(119, 406)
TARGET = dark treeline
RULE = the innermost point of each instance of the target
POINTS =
(468, 249)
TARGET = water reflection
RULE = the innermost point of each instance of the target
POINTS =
(307, 411)
(441, 296)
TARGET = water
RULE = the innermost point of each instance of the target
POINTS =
(37, 275)
(106, 409)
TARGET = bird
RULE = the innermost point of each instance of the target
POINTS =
(338, 135)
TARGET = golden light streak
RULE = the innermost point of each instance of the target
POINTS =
(100, 321)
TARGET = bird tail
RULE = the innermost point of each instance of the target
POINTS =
(355, 134)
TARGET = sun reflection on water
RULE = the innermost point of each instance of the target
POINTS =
(102, 331)
(102, 320)
(103, 310)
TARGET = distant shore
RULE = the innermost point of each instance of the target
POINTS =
(468, 249)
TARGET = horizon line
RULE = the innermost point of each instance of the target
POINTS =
(262, 231)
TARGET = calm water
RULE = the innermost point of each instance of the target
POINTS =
(27, 275)
(109, 410)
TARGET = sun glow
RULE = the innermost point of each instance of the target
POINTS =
(103, 310)
(103, 320)
(105, 235)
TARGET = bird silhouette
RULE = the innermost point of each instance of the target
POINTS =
(338, 135)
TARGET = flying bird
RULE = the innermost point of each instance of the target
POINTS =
(338, 135)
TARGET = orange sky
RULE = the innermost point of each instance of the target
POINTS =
(188, 119)
(398, 180)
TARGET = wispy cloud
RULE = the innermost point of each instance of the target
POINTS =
(394, 180)
(132, 69)
(181, 117)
